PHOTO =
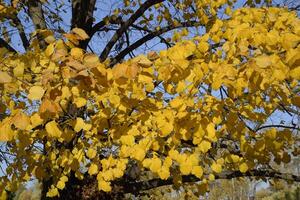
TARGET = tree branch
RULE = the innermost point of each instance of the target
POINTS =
(4, 44)
(36, 14)
(21, 30)
(149, 31)
(135, 187)
(150, 36)
(277, 126)
(126, 25)
(82, 17)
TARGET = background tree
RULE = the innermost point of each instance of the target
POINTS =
(220, 102)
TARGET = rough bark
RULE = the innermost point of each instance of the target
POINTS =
(82, 17)
(36, 13)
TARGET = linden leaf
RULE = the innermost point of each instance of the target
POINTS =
(155, 165)
(211, 132)
(243, 167)
(91, 60)
(139, 154)
(4, 77)
(295, 73)
(197, 171)
(53, 191)
(204, 146)
(216, 167)
(49, 50)
(19, 70)
(80, 102)
(164, 173)
(36, 93)
(203, 47)
(263, 61)
(81, 33)
(36, 120)
(91, 153)
(21, 121)
(6, 133)
(186, 168)
(79, 124)
(93, 169)
(61, 185)
(103, 185)
(50, 39)
(77, 53)
(53, 130)
(127, 140)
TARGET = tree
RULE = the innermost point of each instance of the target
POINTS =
(220, 102)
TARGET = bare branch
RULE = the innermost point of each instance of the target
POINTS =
(277, 126)
(150, 36)
(126, 25)
(21, 30)
(36, 14)
(4, 44)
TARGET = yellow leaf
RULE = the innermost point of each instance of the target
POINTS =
(77, 53)
(49, 50)
(164, 173)
(53, 130)
(80, 102)
(127, 140)
(114, 99)
(211, 132)
(81, 33)
(204, 146)
(91, 153)
(176, 103)
(61, 185)
(53, 191)
(64, 178)
(144, 79)
(166, 129)
(263, 61)
(197, 171)
(131, 71)
(4, 77)
(21, 121)
(103, 185)
(66, 93)
(155, 165)
(36, 93)
(181, 87)
(6, 133)
(203, 47)
(243, 167)
(143, 61)
(119, 70)
(186, 168)
(3, 195)
(234, 158)
(19, 70)
(216, 167)
(91, 60)
(79, 124)
(50, 39)
(295, 73)
(139, 154)
(211, 177)
(93, 169)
